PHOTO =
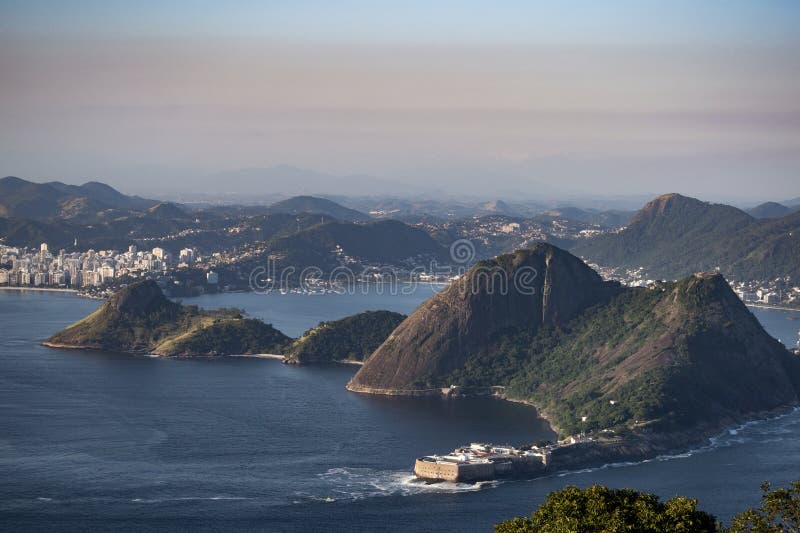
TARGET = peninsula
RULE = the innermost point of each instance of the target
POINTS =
(642, 371)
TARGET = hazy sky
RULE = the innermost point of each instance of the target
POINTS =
(484, 97)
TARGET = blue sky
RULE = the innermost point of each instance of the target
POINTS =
(625, 22)
(628, 22)
(569, 97)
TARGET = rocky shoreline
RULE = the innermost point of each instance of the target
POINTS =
(639, 446)
(647, 446)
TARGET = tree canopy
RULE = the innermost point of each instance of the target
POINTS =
(602, 509)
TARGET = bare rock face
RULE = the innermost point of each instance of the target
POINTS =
(526, 289)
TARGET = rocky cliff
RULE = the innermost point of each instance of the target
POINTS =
(524, 290)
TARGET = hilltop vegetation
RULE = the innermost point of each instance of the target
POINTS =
(141, 319)
(352, 338)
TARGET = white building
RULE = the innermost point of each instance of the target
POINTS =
(186, 255)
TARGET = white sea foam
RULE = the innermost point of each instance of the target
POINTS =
(742, 434)
(189, 498)
(359, 483)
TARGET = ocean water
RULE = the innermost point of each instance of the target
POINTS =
(103, 441)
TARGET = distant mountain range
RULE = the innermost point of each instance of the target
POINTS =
(431, 208)
(55, 200)
(674, 236)
(247, 184)
(319, 206)
(603, 219)
(772, 210)
(671, 236)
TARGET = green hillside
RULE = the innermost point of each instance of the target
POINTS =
(352, 338)
(674, 236)
(140, 319)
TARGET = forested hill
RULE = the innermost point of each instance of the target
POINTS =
(384, 242)
(140, 319)
(674, 236)
(352, 338)
(591, 355)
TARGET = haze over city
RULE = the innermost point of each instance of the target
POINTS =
(516, 98)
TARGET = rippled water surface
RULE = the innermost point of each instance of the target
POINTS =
(111, 441)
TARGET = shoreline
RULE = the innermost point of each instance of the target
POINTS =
(640, 446)
(252, 355)
(770, 306)
(37, 289)
(273, 356)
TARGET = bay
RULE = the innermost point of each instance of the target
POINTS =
(99, 441)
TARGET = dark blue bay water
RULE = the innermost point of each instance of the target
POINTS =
(98, 441)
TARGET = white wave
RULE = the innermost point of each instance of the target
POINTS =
(188, 498)
(359, 483)
(753, 430)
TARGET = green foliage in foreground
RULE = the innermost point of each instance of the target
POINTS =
(602, 509)
(779, 512)
(608, 510)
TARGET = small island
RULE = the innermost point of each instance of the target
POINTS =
(139, 319)
(348, 340)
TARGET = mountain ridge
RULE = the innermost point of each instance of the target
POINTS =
(53, 200)
(673, 236)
